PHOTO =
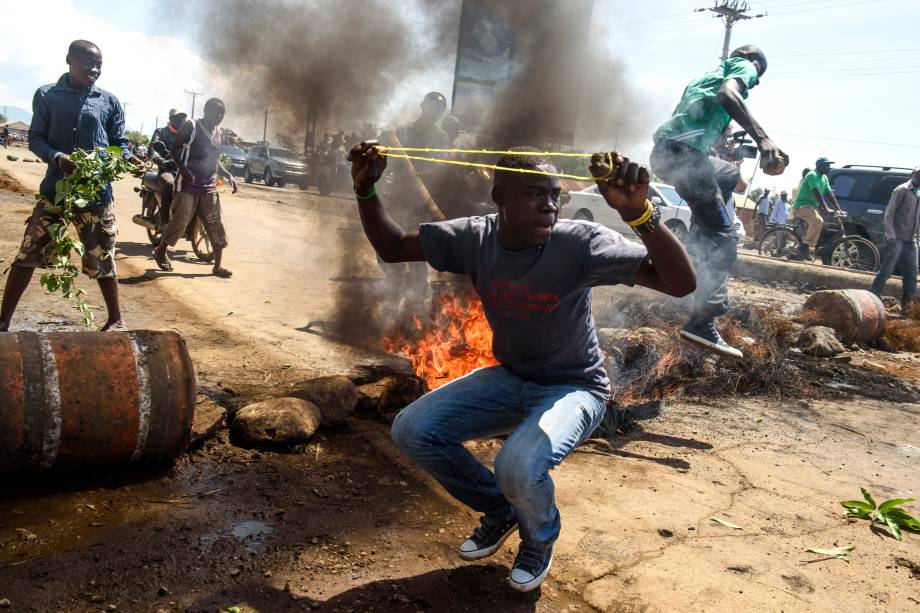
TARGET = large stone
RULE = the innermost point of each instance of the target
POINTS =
(335, 396)
(819, 341)
(207, 421)
(390, 393)
(277, 421)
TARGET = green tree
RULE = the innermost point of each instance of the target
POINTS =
(2, 118)
(756, 193)
(137, 137)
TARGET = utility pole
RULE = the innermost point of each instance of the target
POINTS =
(730, 11)
(194, 95)
(265, 127)
(124, 107)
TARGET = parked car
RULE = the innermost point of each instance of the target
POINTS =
(588, 204)
(863, 192)
(237, 158)
(275, 166)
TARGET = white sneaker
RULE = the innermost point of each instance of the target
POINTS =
(487, 538)
(530, 566)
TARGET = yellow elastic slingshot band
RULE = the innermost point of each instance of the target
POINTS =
(386, 151)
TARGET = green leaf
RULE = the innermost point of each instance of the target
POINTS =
(285, 366)
(856, 507)
(893, 528)
(54, 210)
(867, 496)
(890, 504)
(114, 150)
(903, 519)
(725, 523)
(79, 247)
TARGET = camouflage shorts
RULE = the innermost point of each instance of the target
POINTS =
(97, 231)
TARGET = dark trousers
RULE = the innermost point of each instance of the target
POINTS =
(760, 227)
(167, 182)
(902, 254)
(706, 183)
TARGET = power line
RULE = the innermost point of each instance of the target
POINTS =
(853, 69)
(679, 28)
(852, 74)
(731, 11)
(194, 94)
(880, 70)
(848, 140)
(865, 51)
(826, 8)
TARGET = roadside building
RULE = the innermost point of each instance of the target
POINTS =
(18, 130)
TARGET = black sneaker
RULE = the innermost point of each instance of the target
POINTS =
(706, 335)
(806, 253)
(487, 538)
(530, 566)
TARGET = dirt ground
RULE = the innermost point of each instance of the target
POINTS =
(345, 524)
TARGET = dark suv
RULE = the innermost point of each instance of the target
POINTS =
(863, 192)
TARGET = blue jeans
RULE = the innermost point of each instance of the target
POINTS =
(706, 183)
(545, 423)
(904, 255)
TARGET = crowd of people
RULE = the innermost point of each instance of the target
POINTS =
(533, 271)
(74, 113)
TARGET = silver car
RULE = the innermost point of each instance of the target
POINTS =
(275, 166)
(588, 204)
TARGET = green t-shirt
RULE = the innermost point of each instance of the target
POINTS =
(813, 180)
(699, 120)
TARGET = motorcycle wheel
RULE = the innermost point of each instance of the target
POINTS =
(150, 208)
(247, 176)
(201, 242)
(267, 177)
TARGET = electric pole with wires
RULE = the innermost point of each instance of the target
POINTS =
(730, 11)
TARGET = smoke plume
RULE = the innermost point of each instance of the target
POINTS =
(345, 63)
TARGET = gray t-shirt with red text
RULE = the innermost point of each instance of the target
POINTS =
(538, 301)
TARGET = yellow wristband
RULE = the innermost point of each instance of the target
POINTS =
(644, 217)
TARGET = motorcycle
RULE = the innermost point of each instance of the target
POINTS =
(151, 219)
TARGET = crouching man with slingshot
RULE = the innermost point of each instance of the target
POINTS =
(534, 273)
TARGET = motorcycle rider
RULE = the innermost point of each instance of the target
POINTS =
(160, 144)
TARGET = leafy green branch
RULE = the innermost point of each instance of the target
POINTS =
(75, 193)
(888, 513)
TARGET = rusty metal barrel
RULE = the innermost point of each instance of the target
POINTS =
(857, 315)
(74, 399)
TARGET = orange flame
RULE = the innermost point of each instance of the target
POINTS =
(456, 341)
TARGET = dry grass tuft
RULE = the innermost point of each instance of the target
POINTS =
(904, 334)
(680, 369)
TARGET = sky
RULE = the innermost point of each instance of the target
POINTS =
(842, 78)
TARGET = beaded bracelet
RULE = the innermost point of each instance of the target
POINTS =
(367, 196)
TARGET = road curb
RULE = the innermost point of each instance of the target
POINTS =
(765, 269)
